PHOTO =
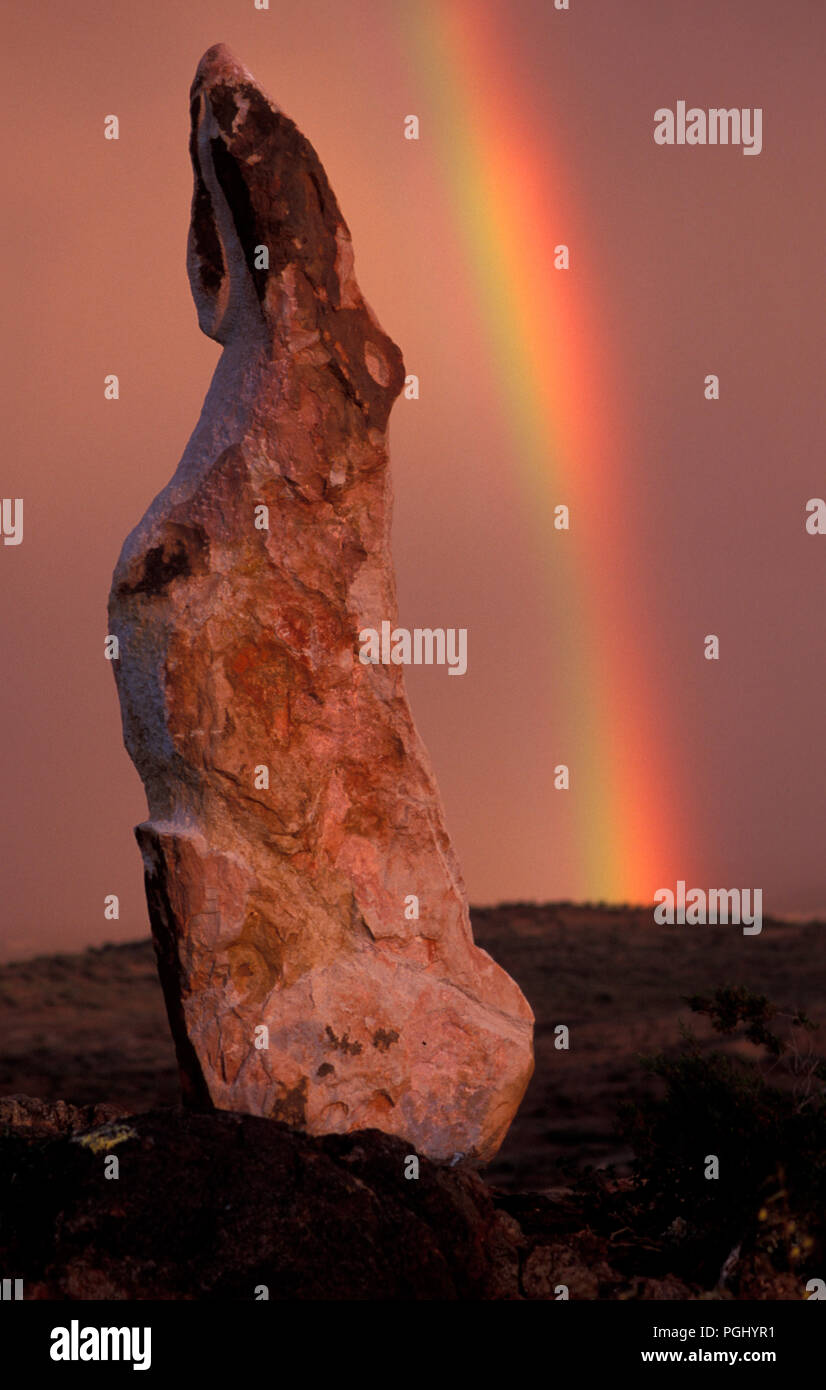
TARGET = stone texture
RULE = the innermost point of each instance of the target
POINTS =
(213, 1206)
(284, 906)
(29, 1115)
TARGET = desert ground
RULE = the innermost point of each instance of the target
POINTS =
(91, 1027)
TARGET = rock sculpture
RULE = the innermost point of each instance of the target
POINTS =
(308, 912)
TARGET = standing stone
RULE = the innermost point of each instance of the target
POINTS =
(292, 806)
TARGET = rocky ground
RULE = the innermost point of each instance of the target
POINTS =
(211, 1206)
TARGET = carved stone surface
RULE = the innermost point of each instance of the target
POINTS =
(293, 812)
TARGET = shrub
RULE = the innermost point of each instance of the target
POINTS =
(764, 1119)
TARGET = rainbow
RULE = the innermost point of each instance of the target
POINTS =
(567, 434)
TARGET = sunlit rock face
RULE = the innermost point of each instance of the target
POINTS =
(308, 911)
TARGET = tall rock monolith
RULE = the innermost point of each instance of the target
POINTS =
(307, 908)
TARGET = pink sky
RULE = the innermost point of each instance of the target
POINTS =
(708, 261)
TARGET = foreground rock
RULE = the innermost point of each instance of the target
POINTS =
(295, 829)
(214, 1206)
(32, 1118)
